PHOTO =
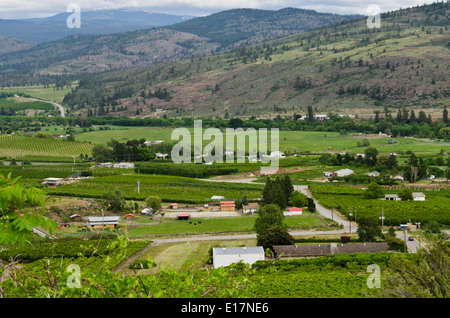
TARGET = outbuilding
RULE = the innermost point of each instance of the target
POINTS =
(225, 256)
(183, 216)
(227, 206)
(97, 222)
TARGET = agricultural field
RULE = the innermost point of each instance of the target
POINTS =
(289, 141)
(39, 91)
(208, 225)
(10, 103)
(168, 188)
(436, 207)
(13, 146)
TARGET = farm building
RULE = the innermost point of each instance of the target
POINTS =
(75, 218)
(250, 208)
(174, 206)
(53, 181)
(328, 174)
(217, 197)
(183, 216)
(328, 249)
(129, 216)
(124, 165)
(418, 196)
(392, 197)
(343, 173)
(277, 154)
(293, 211)
(105, 165)
(97, 222)
(225, 256)
(373, 174)
(227, 206)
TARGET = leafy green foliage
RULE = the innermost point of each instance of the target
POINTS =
(16, 220)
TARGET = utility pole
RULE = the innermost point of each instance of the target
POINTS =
(138, 182)
(350, 220)
(382, 219)
(331, 208)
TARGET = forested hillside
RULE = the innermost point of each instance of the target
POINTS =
(347, 66)
(66, 59)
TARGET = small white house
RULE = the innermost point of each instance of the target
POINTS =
(225, 256)
(343, 172)
(418, 196)
(53, 181)
(392, 197)
(217, 197)
(277, 154)
(250, 208)
(124, 165)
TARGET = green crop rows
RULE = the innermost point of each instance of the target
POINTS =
(18, 146)
(169, 188)
(348, 199)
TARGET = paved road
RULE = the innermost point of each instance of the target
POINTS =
(61, 109)
(333, 215)
(413, 245)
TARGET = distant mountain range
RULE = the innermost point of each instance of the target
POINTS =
(90, 53)
(105, 21)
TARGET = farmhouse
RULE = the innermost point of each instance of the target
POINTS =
(124, 165)
(373, 174)
(328, 249)
(343, 173)
(105, 165)
(277, 154)
(97, 222)
(225, 256)
(293, 211)
(183, 216)
(75, 218)
(250, 208)
(217, 197)
(227, 205)
(53, 181)
(161, 155)
(392, 197)
(418, 196)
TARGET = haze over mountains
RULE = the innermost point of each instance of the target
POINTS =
(105, 21)
(83, 53)
(243, 61)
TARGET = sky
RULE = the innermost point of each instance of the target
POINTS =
(19, 9)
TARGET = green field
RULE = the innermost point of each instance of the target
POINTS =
(7, 103)
(219, 225)
(303, 141)
(13, 146)
(169, 188)
(41, 92)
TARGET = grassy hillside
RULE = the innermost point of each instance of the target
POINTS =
(346, 67)
(83, 53)
(237, 27)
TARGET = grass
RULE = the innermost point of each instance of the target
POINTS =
(303, 141)
(243, 224)
(13, 146)
(41, 92)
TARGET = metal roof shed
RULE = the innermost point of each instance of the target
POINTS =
(103, 221)
(225, 256)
